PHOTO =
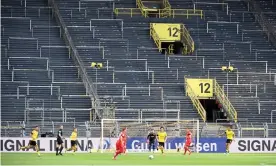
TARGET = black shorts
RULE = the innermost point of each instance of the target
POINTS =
(161, 144)
(59, 141)
(73, 143)
(32, 143)
(229, 141)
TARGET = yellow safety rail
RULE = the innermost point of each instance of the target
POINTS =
(159, 12)
(179, 12)
(155, 37)
(223, 99)
(186, 38)
(201, 111)
(166, 12)
(186, 12)
(167, 4)
(127, 11)
(142, 8)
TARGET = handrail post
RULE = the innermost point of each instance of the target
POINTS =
(93, 32)
(266, 67)
(149, 89)
(30, 25)
(8, 43)
(12, 75)
(8, 63)
(79, 6)
(122, 29)
(227, 9)
(125, 90)
(17, 92)
(47, 64)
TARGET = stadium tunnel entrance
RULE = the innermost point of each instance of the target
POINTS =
(213, 109)
(172, 47)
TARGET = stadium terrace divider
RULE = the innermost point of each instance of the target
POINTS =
(138, 144)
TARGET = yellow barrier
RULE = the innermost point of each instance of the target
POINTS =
(167, 7)
(188, 40)
(142, 7)
(223, 99)
(167, 4)
(196, 102)
(186, 12)
(127, 11)
(155, 37)
(159, 12)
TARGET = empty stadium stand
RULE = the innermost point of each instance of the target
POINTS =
(40, 81)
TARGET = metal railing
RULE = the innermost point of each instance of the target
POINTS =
(262, 20)
(222, 22)
(85, 78)
(195, 101)
(155, 37)
(273, 113)
(159, 12)
(187, 39)
(244, 90)
(223, 98)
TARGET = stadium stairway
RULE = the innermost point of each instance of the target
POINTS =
(37, 72)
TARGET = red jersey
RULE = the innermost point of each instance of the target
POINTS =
(189, 137)
(122, 137)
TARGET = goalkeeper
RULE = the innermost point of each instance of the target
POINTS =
(151, 140)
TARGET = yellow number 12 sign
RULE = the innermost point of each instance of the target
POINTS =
(203, 88)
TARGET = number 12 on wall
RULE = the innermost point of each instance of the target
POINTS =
(203, 88)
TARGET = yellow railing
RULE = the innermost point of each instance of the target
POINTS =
(223, 99)
(127, 11)
(187, 12)
(201, 111)
(180, 12)
(167, 8)
(167, 4)
(155, 37)
(142, 8)
(187, 40)
(159, 12)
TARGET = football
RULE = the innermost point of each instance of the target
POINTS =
(151, 157)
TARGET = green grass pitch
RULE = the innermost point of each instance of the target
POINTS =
(137, 159)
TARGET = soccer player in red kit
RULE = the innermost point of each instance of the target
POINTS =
(125, 142)
(188, 142)
(120, 144)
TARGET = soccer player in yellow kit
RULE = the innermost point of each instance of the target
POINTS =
(230, 135)
(32, 142)
(161, 137)
(73, 139)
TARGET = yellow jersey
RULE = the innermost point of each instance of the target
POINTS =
(161, 136)
(74, 136)
(229, 134)
(34, 135)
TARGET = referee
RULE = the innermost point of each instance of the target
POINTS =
(151, 140)
(59, 145)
